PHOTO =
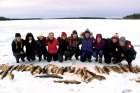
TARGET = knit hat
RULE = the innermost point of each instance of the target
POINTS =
(64, 34)
(17, 35)
(99, 36)
(122, 41)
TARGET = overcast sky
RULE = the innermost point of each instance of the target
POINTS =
(68, 8)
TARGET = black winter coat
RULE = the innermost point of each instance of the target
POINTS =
(110, 49)
(63, 45)
(30, 48)
(17, 47)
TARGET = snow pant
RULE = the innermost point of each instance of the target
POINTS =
(51, 57)
(85, 55)
(71, 52)
(41, 53)
(19, 56)
(108, 55)
(98, 53)
(30, 56)
(61, 55)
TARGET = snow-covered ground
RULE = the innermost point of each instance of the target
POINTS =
(24, 82)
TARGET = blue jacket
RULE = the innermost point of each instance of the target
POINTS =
(87, 45)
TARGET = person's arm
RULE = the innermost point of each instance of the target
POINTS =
(13, 47)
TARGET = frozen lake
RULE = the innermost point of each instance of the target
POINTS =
(128, 28)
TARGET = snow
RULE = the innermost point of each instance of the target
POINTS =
(24, 82)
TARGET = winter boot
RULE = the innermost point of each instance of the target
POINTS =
(100, 60)
(40, 59)
(89, 60)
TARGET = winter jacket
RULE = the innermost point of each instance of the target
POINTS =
(17, 47)
(41, 48)
(52, 46)
(63, 45)
(110, 47)
(74, 43)
(87, 45)
(99, 46)
(30, 48)
(128, 53)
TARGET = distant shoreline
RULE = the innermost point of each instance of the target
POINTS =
(124, 18)
(8, 19)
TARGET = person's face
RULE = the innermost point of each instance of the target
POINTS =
(114, 40)
(122, 43)
(18, 39)
(64, 37)
(87, 35)
(30, 38)
(40, 37)
(99, 39)
(51, 36)
(74, 35)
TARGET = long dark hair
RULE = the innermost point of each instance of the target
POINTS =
(29, 35)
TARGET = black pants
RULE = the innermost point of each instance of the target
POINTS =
(41, 53)
(73, 51)
(99, 53)
(85, 55)
(51, 57)
(30, 56)
(108, 55)
(19, 56)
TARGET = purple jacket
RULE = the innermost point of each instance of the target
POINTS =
(99, 45)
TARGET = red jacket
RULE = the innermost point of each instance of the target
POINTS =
(52, 46)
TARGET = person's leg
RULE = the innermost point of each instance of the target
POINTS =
(49, 58)
(66, 54)
(77, 54)
(70, 55)
(22, 57)
(32, 57)
(28, 57)
(82, 57)
(55, 57)
(60, 57)
(96, 55)
(40, 57)
(89, 55)
(17, 58)
(100, 56)
(129, 61)
(107, 58)
(117, 58)
(44, 53)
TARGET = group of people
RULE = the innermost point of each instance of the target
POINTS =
(83, 47)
